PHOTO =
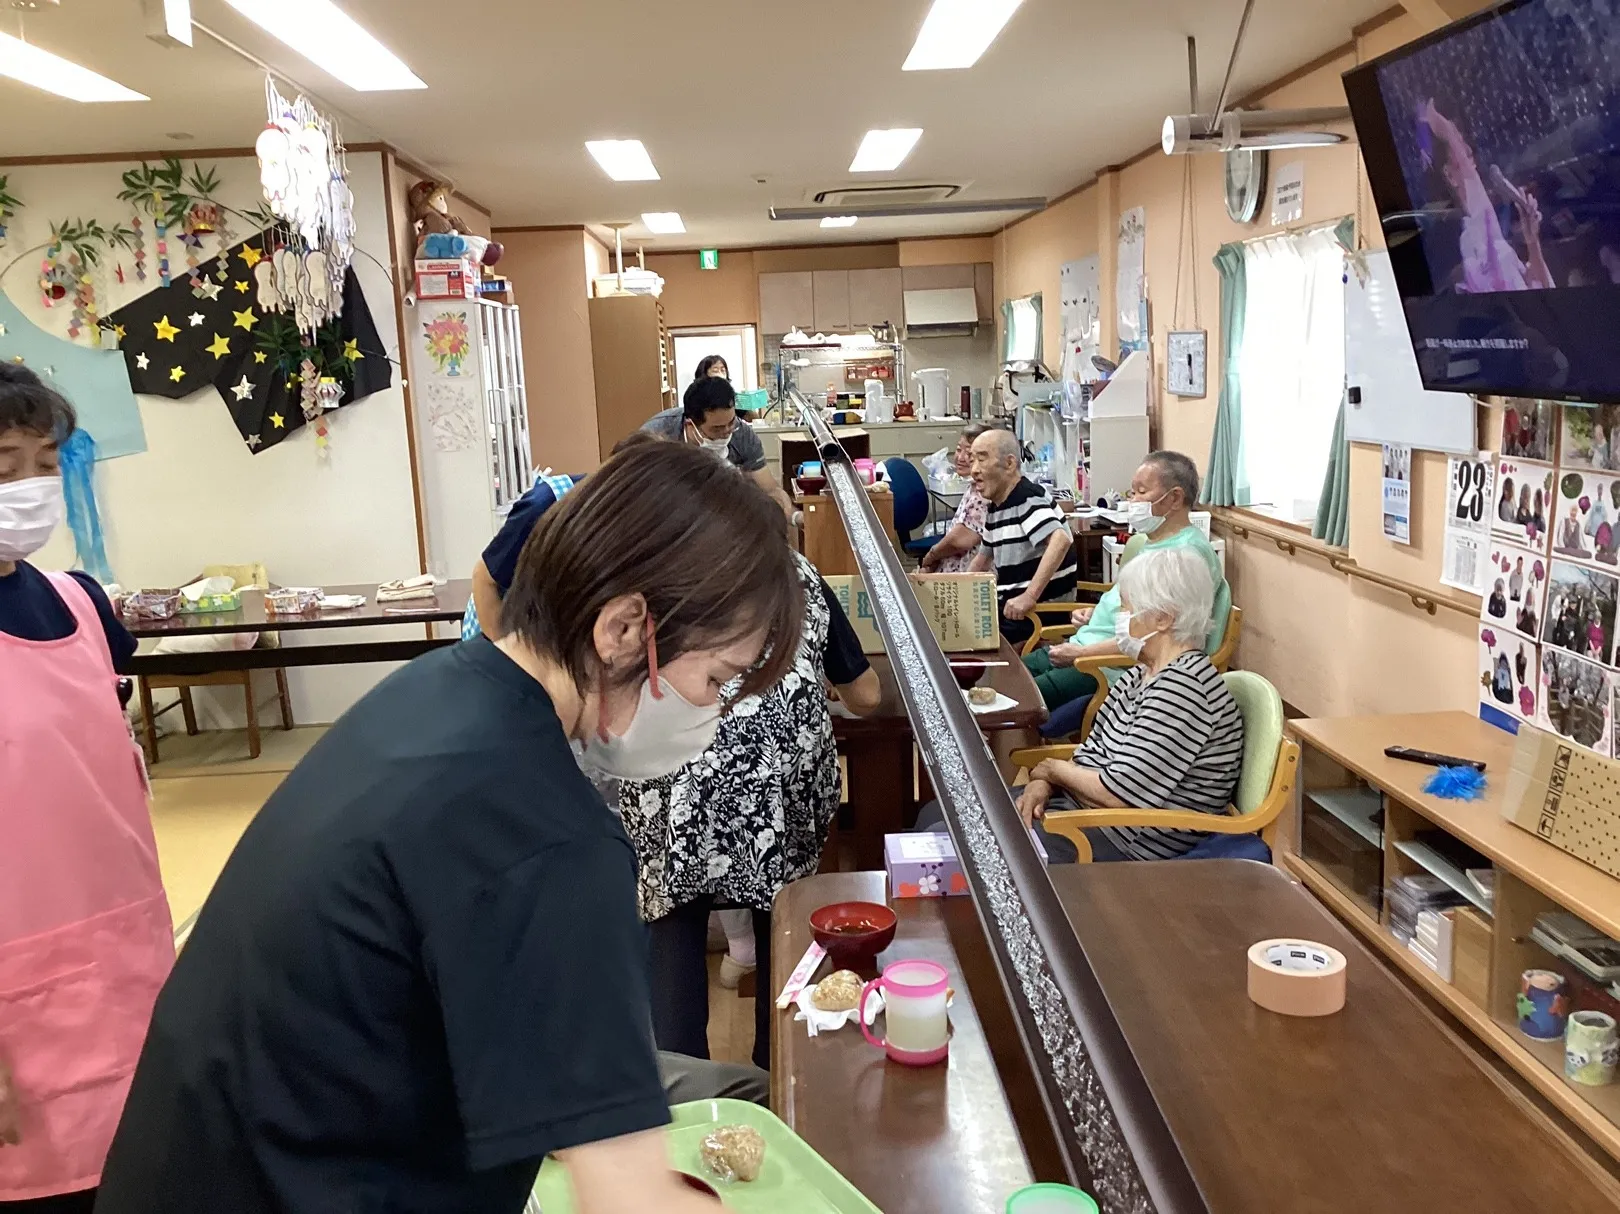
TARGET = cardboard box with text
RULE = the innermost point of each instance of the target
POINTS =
(961, 608)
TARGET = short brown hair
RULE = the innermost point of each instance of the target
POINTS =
(702, 544)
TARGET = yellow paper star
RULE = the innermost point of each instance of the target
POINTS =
(177, 373)
(277, 421)
(250, 256)
(220, 347)
(245, 320)
(241, 286)
(293, 380)
(118, 332)
(258, 356)
(351, 350)
(165, 330)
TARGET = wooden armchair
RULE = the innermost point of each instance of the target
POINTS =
(1265, 785)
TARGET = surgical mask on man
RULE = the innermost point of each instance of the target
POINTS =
(1141, 518)
(30, 510)
(1130, 646)
(667, 732)
(715, 446)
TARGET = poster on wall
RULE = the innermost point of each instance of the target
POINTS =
(1468, 521)
(1080, 315)
(1591, 437)
(1288, 193)
(1575, 700)
(1579, 617)
(1507, 673)
(1523, 503)
(1130, 288)
(1398, 493)
(1528, 429)
(1587, 525)
(1516, 590)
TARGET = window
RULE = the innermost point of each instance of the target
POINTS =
(1023, 324)
(734, 343)
(1291, 368)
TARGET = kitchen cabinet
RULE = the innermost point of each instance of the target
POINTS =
(937, 278)
(830, 289)
(876, 297)
(787, 301)
(984, 290)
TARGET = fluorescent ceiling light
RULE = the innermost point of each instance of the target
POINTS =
(838, 221)
(22, 61)
(956, 32)
(168, 22)
(622, 159)
(331, 40)
(881, 151)
(663, 223)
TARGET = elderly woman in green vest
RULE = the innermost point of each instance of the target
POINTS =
(1163, 492)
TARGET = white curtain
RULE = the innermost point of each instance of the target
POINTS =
(1292, 367)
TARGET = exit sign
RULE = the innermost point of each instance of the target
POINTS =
(708, 259)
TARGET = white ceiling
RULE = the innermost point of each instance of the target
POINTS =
(722, 92)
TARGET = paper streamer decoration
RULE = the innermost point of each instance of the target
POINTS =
(94, 381)
(79, 491)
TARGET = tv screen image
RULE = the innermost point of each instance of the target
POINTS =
(1493, 153)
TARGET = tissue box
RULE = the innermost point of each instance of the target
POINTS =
(924, 865)
(961, 609)
(446, 279)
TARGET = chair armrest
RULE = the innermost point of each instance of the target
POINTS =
(1050, 632)
(1095, 665)
(1163, 819)
(1097, 588)
(1031, 755)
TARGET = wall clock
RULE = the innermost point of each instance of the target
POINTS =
(1245, 183)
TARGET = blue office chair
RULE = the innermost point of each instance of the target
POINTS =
(912, 504)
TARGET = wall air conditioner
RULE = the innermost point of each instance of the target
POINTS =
(949, 312)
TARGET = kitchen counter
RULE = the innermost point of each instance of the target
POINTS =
(908, 440)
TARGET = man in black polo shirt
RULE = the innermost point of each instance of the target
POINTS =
(1025, 538)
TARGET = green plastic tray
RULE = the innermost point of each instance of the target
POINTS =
(795, 1180)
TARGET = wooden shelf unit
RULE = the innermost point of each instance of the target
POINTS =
(633, 362)
(1343, 766)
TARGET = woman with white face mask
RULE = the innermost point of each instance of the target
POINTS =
(85, 936)
(422, 971)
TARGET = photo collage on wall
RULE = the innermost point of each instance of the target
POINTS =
(1547, 652)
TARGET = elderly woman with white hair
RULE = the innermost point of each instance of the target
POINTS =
(1169, 735)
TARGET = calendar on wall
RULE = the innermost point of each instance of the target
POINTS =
(1186, 356)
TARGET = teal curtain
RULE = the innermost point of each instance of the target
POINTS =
(1227, 481)
(1332, 523)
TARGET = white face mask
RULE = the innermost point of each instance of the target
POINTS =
(1141, 518)
(667, 732)
(1130, 646)
(715, 446)
(29, 511)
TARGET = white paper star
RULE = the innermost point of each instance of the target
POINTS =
(253, 440)
(210, 289)
(243, 390)
(196, 318)
(142, 361)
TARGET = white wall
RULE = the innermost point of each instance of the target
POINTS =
(970, 360)
(197, 495)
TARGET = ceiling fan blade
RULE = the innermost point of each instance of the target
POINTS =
(1192, 74)
(1231, 65)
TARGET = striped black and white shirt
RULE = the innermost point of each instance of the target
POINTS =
(1173, 741)
(1016, 533)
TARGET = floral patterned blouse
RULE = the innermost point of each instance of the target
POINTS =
(970, 513)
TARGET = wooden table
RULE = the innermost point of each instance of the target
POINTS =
(878, 749)
(824, 540)
(448, 604)
(1379, 1107)
(931, 1140)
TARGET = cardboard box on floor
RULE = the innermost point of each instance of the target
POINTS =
(961, 608)
(1566, 795)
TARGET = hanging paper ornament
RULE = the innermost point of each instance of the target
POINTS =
(161, 229)
(69, 266)
(8, 207)
(52, 286)
(160, 192)
(328, 395)
(139, 248)
(309, 383)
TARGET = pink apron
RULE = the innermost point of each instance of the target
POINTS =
(85, 934)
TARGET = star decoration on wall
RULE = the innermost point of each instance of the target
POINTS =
(250, 256)
(219, 347)
(177, 373)
(246, 319)
(196, 318)
(258, 356)
(241, 287)
(277, 420)
(118, 331)
(165, 330)
(209, 290)
(243, 390)
(351, 350)
(253, 440)
(142, 361)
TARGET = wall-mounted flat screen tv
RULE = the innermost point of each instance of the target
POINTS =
(1493, 152)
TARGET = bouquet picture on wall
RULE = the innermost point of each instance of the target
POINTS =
(1524, 501)
(1528, 429)
(1591, 437)
(1515, 590)
(1507, 673)
(1580, 612)
(1587, 523)
(1575, 699)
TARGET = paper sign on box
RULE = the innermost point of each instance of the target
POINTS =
(1566, 795)
(961, 609)
(923, 864)
(446, 279)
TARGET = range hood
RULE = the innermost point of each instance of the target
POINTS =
(951, 312)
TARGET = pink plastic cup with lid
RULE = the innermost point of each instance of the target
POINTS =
(917, 1031)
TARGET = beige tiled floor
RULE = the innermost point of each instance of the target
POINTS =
(205, 791)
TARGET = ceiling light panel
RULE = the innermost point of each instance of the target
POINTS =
(663, 223)
(883, 151)
(956, 32)
(623, 159)
(838, 221)
(168, 22)
(331, 40)
(28, 64)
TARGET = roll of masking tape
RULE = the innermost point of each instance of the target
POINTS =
(1296, 977)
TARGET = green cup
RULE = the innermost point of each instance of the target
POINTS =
(1050, 1199)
